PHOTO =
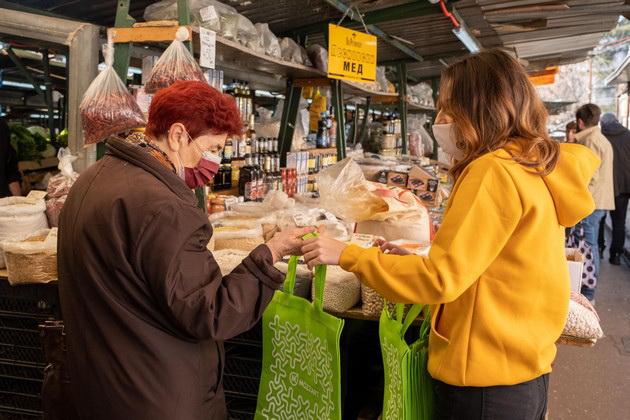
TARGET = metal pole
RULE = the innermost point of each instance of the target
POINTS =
(29, 77)
(49, 97)
(402, 103)
(287, 121)
(337, 97)
(366, 115)
(183, 15)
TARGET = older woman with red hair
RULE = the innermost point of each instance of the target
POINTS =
(145, 304)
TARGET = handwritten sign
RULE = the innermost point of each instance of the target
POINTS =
(208, 49)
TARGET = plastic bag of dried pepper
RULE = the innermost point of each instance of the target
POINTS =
(177, 63)
(107, 106)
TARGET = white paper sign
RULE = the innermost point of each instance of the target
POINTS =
(208, 13)
(208, 49)
(36, 195)
(362, 240)
(51, 239)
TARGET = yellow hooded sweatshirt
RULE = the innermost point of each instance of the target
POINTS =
(496, 275)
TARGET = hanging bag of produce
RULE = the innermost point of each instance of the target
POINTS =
(177, 63)
(107, 107)
(301, 375)
(59, 186)
(408, 385)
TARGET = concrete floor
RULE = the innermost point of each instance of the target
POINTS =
(594, 383)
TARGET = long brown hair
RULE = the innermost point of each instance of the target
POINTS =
(493, 105)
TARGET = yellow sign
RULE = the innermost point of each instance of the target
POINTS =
(351, 55)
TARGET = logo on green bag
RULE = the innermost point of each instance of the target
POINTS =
(393, 377)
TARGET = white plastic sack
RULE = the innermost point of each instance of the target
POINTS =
(107, 107)
(20, 216)
(269, 41)
(177, 63)
(30, 259)
(229, 259)
(59, 186)
(248, 35)
(319, 57)
(291, 51)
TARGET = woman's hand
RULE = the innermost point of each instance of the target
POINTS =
(288, 242)
(322, 250)
(389, 248)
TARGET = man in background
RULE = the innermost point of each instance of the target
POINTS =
(9, 174)
(570, 131)
(619, 137)
(601, 186)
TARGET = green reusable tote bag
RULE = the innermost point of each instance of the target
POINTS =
(301, 377)
(409, 393)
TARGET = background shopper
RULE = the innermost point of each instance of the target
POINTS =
(570, 130)
(496, 275)
(9, 174)
(145, 304)
(619, 137)
(601, 186)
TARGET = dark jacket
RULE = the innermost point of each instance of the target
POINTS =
(8, 160)
(145, 304)
(619, 137)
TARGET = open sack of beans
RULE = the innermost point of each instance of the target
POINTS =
(229, 259)
(20, 216)
(177, 63)
(107, 107)
(342, 290)
(31, 258)
(582, 320)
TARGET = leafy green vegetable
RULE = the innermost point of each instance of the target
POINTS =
(28, 146)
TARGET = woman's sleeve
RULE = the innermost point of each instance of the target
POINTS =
(187, 281)
(485, 211)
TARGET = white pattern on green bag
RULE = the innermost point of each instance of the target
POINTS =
(393, 409)
(293, 348)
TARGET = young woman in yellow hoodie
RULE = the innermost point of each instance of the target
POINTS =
(496, 275)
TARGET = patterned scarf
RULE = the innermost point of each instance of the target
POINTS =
(142, 141)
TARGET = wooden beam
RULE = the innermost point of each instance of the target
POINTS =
(147, 34)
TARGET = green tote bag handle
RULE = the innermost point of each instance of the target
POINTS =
(320, 278)
(413, 313)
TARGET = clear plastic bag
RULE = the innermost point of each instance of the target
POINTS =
(319, 57)
(209, 14)
(269, 41)
(291, 51)
(421, 94)
(59, 186)
(242, 237)
(177, 63)
(30, 259)
(345, 192)
(248, 35)
(107, 106)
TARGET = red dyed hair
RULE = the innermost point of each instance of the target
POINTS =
(198, 106)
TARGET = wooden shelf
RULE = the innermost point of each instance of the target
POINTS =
(319, 151)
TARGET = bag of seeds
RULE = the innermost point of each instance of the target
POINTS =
(242, 237)
(177, 63)
(31, 258)
(107, 106)
(342, 290)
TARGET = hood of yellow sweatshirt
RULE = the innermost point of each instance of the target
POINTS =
(568, 183)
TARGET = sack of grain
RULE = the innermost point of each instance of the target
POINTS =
(582, 319)
(229, 259)
(342, 290)
(303, 279)
(20, 216)
(372, 302)
(241, 237)
(30, 258)
(267, 221)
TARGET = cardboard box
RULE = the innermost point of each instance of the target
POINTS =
(576, 267)
(421, 181)
(397, 179)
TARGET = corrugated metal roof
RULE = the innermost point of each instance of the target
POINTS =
(561, 35)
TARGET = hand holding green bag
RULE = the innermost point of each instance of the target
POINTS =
(409, 392)
(301, 375)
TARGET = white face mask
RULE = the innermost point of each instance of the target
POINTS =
(445, 137)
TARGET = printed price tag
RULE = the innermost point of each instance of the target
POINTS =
(208, 49)
(362, 240)
(51, 239)
(36, 195)
(301, 220)
(208, 13)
